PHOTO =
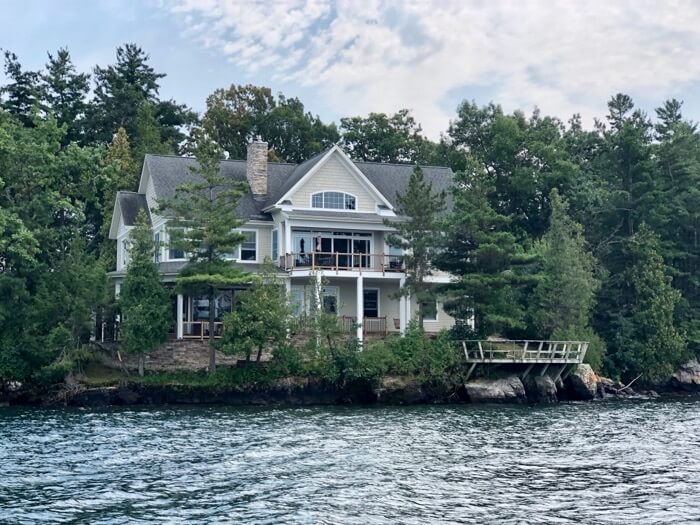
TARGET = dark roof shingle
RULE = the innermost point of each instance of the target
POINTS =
(168, 172)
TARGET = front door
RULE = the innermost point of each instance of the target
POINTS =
(370, 302)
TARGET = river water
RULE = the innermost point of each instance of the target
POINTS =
(617, 462)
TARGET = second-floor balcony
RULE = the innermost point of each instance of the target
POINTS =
(368, 262)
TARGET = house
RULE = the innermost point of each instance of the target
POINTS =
(323, 219)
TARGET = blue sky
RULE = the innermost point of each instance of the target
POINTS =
(349, 57)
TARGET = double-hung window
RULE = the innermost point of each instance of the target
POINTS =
(249, 247)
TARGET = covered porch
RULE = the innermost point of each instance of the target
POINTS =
(369, 306)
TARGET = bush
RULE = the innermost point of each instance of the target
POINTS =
(286, 361)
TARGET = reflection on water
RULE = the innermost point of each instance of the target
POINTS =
(587, 463)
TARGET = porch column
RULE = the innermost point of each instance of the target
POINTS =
(178, 324)
(408, 310)
(287, 237)
(117, 289)
(360, 307)
(402, 309)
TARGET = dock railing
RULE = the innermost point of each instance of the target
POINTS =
(525, 351)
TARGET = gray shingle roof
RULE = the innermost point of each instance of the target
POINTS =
(130, 204)
(168, 172)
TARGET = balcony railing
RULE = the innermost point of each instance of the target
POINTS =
(200, 329)
(370, 325)
(376, 262)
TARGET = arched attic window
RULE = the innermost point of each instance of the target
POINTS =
(335, 200)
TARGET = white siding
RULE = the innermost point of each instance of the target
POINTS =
(444, 320)
(334, 176)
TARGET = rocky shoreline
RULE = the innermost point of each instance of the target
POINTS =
(581, 385)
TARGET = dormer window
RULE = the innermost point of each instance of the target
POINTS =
(335, 200)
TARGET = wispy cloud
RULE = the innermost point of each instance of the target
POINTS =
(367, 55)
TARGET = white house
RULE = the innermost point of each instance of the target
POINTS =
(323, 217)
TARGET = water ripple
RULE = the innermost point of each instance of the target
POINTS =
(604, 463)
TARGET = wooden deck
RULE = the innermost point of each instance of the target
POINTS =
(526, 352)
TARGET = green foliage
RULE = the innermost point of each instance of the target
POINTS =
(564, 297)
(260, 318)
(236, 115)
(65, 94)
(416, 230)
(480, 250)
(203, 217)
(642, 338)
(144, 301)
(382, 138)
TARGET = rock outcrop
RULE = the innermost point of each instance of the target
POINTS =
(504, 390)
(397, 390)
(687, 377)
(582, 383)
(540, 389)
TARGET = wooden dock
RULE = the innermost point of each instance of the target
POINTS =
(525, 352)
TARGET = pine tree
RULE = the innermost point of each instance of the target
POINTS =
(561, 304)
(482, 253)
(120, 173)
(641, 333)
(23, 93)
(65, 93)
(203, 217)
(565, 293)
(144, 301)
(416, 233)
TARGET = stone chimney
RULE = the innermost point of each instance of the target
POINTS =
(256, 167)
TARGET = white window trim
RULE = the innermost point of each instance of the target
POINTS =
(437, 314)
(272, 244)
(332, 291)
(168, 248)
(305, 290)
(379, 300)
(237, 255)
(311, 200)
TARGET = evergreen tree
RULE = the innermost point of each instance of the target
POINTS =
(120, 173)
(65, 93)
(260, 317)
(203, 217)
(561, 304)
(122, 89)
(416, 234)
(23, 92)
(148, 134)
(641, 333)
(144, 301)
(676, 213)
(565, 293)
(481, 252)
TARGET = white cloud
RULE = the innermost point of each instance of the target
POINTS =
(367, 55)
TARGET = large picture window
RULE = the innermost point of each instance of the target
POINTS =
(336, 200)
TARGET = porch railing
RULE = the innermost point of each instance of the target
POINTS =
(378, 262)
(511, 351)
(370, 325)
(200, 329)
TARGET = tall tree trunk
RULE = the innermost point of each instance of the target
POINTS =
(212, 350)
(142, 361)
(260, 349)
